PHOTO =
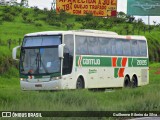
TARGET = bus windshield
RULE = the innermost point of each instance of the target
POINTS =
(39, 61)
(39, 55)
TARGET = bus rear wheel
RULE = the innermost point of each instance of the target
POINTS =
(134, 82)
(127, 82)
(80, 83)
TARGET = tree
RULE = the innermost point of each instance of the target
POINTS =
(2, 2)
(121, 15)
(13, 3)
(24, 3)
(154, 22)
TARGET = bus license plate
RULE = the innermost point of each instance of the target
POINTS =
(38, 85)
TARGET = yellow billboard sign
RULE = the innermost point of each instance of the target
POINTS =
(82, 7)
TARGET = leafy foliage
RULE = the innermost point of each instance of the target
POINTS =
(8, 17)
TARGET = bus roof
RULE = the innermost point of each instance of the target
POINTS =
(82, 31)
(48, 33)
(88, 32)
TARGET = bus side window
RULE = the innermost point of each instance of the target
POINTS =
(105, 46)
(135, 48)
(93, 46)
(126, 47)
(68, 54)
(143, 48)
(81, 45)
(113, 44)
(119, 50)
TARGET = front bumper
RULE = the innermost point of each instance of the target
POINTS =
(50, 85)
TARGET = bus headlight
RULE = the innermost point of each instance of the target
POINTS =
(23, 79)
(56, 78)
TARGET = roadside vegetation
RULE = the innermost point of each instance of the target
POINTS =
(17, 21)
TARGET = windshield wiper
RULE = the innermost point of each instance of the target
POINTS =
(39, 63)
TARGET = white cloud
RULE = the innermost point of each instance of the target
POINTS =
(122, 5)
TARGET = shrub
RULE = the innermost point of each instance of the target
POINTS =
(1, 22)
(8, 17)
(70, 26)
(79, 18)
(24, 17)
(38, 24)
(29, 20)
(25, 13)
(7, 9)
(58, 24)
(88, 17)
(93, 24)
(12, 10)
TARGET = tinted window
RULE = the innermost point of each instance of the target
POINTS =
(105, 46)
(81, 45)
(51, 40)
(143, 48)
(41, 41)
(69, 44)
(32, 41)
(113, 46)
(119, 50)
(126, 47)
(135, 48)
(68, 54)
(93, 46)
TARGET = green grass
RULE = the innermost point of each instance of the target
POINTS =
(144, 98)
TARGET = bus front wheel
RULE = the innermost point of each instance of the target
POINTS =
(80, 83)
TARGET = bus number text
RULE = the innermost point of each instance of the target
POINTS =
(141, 62)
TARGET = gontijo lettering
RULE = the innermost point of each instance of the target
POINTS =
(91, 62)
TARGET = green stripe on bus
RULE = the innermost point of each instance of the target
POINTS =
(86, 61)
(138, 62)
(116, 72)
(129, 62)
(93, 61)
(106, 61)
(119, 62)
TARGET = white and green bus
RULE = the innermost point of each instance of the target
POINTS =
(77, 59)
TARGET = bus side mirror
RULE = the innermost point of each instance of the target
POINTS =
(14, 53)
(60, 50)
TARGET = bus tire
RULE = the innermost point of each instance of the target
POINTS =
(134, 81)
(80, 83)
(127, 82)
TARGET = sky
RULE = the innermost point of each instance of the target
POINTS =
(121, 6)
